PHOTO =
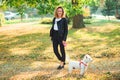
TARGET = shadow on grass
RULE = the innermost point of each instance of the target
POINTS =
(34, 44)
(113, 37)
(113, 34)
(95, 41)
(18, 53)
(72, 31)
(58, 75)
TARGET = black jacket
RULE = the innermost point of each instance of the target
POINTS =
(62, 28)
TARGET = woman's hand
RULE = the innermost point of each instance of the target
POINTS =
(64, 43)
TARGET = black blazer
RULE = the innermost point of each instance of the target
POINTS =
(62, 28)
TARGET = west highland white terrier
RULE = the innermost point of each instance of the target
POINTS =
(82, 64)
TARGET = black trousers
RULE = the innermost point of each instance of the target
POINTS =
(57, 43)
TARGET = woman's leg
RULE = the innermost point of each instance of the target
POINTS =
(55, 49)
(62, 50)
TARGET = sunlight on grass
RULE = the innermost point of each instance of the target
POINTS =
(26, 52)
(24, 49)
(27, 75)
(91, 77)
(2, 62)
(19, 51)
(36, 64)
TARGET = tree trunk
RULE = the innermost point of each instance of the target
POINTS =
(117, 13)
(78, 21)
(21, 16)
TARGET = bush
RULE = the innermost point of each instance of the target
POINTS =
(46, 21)
(87, 21)
(2, 19)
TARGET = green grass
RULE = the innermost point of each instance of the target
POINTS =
(26, 52)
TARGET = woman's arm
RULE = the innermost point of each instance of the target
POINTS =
(51, 30)
(65, 29)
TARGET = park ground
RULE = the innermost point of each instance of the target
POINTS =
(26, 51)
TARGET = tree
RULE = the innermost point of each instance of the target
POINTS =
(19, 5)
(73, 9)
(47, 6)
(78, 12)
(117, 3)
(94, 4)
(109, 6)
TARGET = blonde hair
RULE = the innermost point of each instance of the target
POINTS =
(63, 12)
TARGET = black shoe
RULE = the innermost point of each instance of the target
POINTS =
(60, 67)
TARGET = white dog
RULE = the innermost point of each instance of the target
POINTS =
(82, 65)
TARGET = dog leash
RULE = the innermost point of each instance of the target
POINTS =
(82, 63)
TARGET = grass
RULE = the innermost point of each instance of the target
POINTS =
(26, 52)
(23, 21)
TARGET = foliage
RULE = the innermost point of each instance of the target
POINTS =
(46, 21)
(74, 9)
(2, 20)
(87, 21)
(19, 5)
(108, 7)
(94, 4)
(3, 5)
(47, 6)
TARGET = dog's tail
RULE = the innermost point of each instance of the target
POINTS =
(67, 58)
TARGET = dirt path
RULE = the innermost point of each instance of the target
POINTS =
(16, 26)
(22, 28)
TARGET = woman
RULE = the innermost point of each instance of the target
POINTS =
(58, 34)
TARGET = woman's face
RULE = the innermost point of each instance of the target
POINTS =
(59, 12)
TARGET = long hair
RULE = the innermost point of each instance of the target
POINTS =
(63, 12)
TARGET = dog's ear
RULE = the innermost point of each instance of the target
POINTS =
(87, 55)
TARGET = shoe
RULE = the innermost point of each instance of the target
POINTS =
(60, 67)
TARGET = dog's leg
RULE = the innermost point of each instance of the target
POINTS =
(82, 71)
(70, 69)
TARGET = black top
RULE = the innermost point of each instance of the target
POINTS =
(62, 28)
